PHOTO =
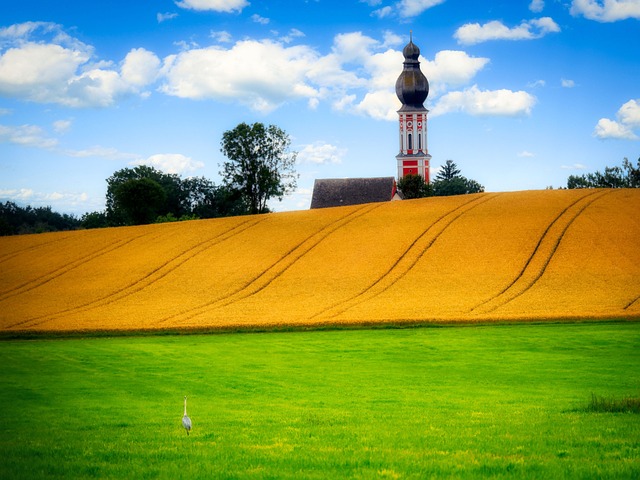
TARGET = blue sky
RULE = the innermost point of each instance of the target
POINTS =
(523, 93)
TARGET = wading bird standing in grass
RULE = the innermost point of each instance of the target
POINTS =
(186, 421)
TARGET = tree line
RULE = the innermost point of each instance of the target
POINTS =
(259, 167)
(448, 181)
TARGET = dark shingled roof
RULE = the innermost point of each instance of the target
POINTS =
(336, 192)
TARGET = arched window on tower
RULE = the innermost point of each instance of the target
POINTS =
(409, 142)
(419, 142)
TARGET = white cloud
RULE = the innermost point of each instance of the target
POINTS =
(413, 8)
(381, 105)
(320, 153)
(526, 154)
(140, 67)
(56, 68)
(293, 33)
(269, 75)
(629, 113)
(485, 102)
(221, 36)
(62, 126)
(472, 33)
(26, 136)
(628, 119)
(226, 6)
(107, 153)
(607, 128)
(62, 200)
(537, 84)
(171, 163)
(566, 83)
(382, 12)
(258, 19)
(607, 10)
(536, 6)
(163, 17)
(575, 166)
(451, 68)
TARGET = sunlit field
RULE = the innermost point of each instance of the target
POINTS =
(538, 255)
(508, 401)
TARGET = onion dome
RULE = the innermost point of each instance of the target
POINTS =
(412, 87)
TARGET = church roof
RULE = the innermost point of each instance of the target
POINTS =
(335, 192)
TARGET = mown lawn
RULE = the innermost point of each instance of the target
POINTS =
(471, 402)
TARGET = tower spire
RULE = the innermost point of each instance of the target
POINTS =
(412, 89)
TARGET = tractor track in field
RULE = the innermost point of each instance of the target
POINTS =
(631, 303)
(407, 260)
(275, 270)
(52, 275)
(153, 276)
(541, 256)
(9, 256)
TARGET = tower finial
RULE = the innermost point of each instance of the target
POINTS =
(411, 35)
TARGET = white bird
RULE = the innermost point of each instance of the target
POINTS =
(186, 421)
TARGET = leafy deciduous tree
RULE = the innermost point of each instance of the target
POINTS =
(414, 186)
(259, 165)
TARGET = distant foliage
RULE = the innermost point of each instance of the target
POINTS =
(414, 186)
(626, 176)
(449, 182)
(16, 220)
(143, 195)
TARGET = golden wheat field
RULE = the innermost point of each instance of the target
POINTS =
(533, 255)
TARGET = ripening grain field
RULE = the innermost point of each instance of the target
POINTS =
(534, 255)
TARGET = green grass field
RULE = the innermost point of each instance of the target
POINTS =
(474, 402)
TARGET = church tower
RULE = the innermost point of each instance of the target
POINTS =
(412, 88)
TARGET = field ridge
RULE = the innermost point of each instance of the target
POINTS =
(509, 256)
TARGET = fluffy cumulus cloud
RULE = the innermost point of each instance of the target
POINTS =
(628, 120)
(451, 68)
(226, 6)
(485, 102)
(259, 74)
(321, 153)
(39, 62)
(472, 33)
(171, 163)
(606, 10)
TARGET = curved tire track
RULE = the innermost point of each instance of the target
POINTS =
(542, 254)
(156, 274)
(52, 275)
(407, 260)
(8, 256)
(275, 270)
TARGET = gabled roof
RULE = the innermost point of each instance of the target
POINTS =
(336, 192)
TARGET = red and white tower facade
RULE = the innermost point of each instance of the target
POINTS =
(412, 88)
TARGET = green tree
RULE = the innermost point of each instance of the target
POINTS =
(449, 171)
(414, 186)
(175, 202)
(141, 200)
(259, 165)
(449, 181)
(626, 176)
